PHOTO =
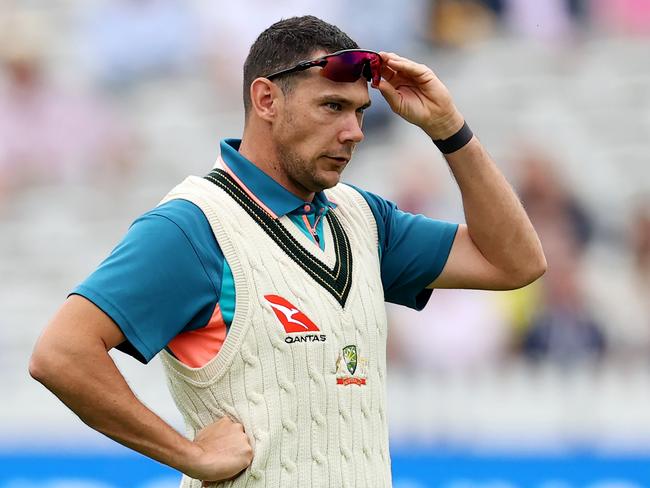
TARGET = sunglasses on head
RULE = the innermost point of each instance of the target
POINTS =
(347, 66)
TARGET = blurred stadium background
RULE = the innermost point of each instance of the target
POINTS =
(105, 105)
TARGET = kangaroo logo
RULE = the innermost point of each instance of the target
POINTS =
(291, 318)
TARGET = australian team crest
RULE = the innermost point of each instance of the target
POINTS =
(349, 363)
(350, 358)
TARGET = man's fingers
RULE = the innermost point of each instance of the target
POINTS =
(392, 58)
(403, 66)
(406, 66)
(227, 450)
(387, 72)
(391, 95)
(386, 56)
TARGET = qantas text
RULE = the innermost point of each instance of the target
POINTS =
(306, 338)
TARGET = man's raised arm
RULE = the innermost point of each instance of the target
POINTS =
(498, 249)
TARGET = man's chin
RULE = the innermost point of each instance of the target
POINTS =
(329, 180)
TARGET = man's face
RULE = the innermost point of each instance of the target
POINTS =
(317, 129)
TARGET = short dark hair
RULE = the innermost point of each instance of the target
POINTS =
(285, 44)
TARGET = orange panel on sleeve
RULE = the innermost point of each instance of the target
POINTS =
(195, 348)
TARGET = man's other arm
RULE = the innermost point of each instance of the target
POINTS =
(71, 359)
(498, 248)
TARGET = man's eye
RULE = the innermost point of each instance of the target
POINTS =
(334, 106)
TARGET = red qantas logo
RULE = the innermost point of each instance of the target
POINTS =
(291, 318)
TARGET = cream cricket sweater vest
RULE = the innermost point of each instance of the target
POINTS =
(303, 366)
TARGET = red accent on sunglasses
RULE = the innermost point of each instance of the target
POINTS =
(343, 66)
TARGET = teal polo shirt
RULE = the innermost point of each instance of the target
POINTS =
(168, 274)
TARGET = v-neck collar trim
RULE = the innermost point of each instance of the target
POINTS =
(261, 187)
(337, 280)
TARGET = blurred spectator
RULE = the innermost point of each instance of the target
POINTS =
(623, 16)
(459, 330)
(520, 308)
(496, 6)
(454, 23)
(641, 244)
(550, 20)
(548, 200)
(564, 331)
(47, 133)
(458, 22)
(560, 326)
(621, 295)
(130, 40)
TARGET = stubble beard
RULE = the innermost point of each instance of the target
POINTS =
(300, 171)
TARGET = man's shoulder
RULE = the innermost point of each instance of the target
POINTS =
(185, 214)
(174, 218)
(380, 207)
(347, 195)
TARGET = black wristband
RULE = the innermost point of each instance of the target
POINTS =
(455, 142)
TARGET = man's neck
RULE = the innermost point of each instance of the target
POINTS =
(263, 154)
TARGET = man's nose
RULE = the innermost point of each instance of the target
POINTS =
(352, 130)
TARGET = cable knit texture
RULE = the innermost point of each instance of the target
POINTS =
(310, 418)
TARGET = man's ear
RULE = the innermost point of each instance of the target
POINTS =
(265, 97)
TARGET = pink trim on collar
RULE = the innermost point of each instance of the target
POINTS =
(245, 188)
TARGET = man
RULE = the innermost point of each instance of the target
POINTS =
(263, 283)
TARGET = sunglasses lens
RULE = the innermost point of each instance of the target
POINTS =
(375, 70)
(350, 66)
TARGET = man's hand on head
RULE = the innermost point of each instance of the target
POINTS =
(416, 94)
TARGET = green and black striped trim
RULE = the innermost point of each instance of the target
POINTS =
(336, 281)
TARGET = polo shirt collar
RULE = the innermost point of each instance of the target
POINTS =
(271, 193)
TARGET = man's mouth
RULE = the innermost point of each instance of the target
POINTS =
(339, 159)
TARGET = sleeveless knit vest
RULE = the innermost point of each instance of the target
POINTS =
(303, 366)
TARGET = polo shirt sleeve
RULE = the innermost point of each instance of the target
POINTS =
(413, 251)
(163, 278)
